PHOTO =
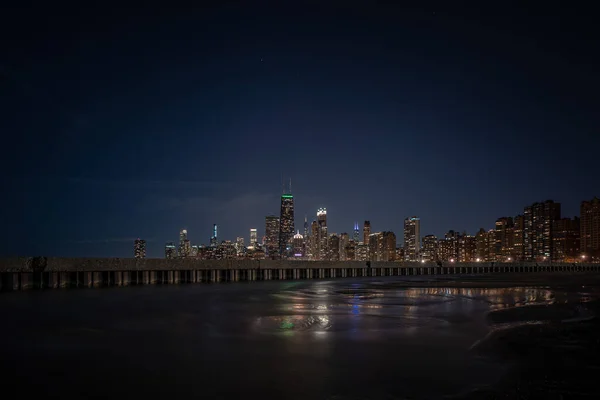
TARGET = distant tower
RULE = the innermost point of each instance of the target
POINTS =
(139, 248)
(356, 236)
(213, 239)
(253, 237)
(366, 232)
(170, 250)
(286, 223)
(412, 239)
(322, 238)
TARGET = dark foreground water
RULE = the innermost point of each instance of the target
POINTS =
(381, 338)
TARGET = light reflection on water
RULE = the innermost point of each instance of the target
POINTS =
(369, 307)
(296, 340)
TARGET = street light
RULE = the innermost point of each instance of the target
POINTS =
(509, 259)
(478, 260)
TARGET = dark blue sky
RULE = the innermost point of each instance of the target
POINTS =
(120, 124)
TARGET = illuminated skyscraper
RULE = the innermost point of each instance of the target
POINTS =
(356, 236)
(214, 241)
(566, 238)
(170, 250)
(344, 241)
(314, 240)
(322, 237)
(185, 248)
(139, 248)
(382, 246)
(298, 245)
(253, 237)
(333, 253)
(286, 224)
(412, 239)
(366, 232)
(272, 235)
(306, 233)
(539, 222)
(590, 228)
(518, 238)
(430, 244)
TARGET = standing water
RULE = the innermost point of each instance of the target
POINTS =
(346, 339)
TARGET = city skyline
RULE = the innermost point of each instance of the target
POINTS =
(540, 232)
(385, 113)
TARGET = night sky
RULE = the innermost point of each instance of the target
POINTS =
(121, 123)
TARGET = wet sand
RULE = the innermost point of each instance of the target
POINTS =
(485, 337)
(553, 349)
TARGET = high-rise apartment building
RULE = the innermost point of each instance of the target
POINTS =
(566, 240)
(467, 248)
(286, 224)
(481, 245)
(504, 239)
(382, 246)
(430, 244)
(538, 228)
(590, 228)
(139, 248)
(322, 237)
(170, 250)
(518, 249)
(412, 239)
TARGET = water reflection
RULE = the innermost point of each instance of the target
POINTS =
(381, 307)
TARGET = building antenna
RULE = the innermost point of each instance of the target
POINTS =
(290, 185)
(282, 184)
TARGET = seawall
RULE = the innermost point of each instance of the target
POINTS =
(21, 273)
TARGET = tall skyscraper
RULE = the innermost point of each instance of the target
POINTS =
(298, 245)
(322, 237)
(253, 237)
(356, 235)
(333, 253)
(412, 239)
(185, 248)
(518, 250)
(170, 250)
(139, 248)
(314, 240)
(590, 228)
(286, 224)
(366, 232)
(344, 241)
(539, 221)
(504, 239)
(214, 241)
(272, 235)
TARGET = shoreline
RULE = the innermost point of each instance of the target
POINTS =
(548, 350)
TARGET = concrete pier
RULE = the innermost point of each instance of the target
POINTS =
(52, 273)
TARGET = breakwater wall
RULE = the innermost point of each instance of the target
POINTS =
(22, 273)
